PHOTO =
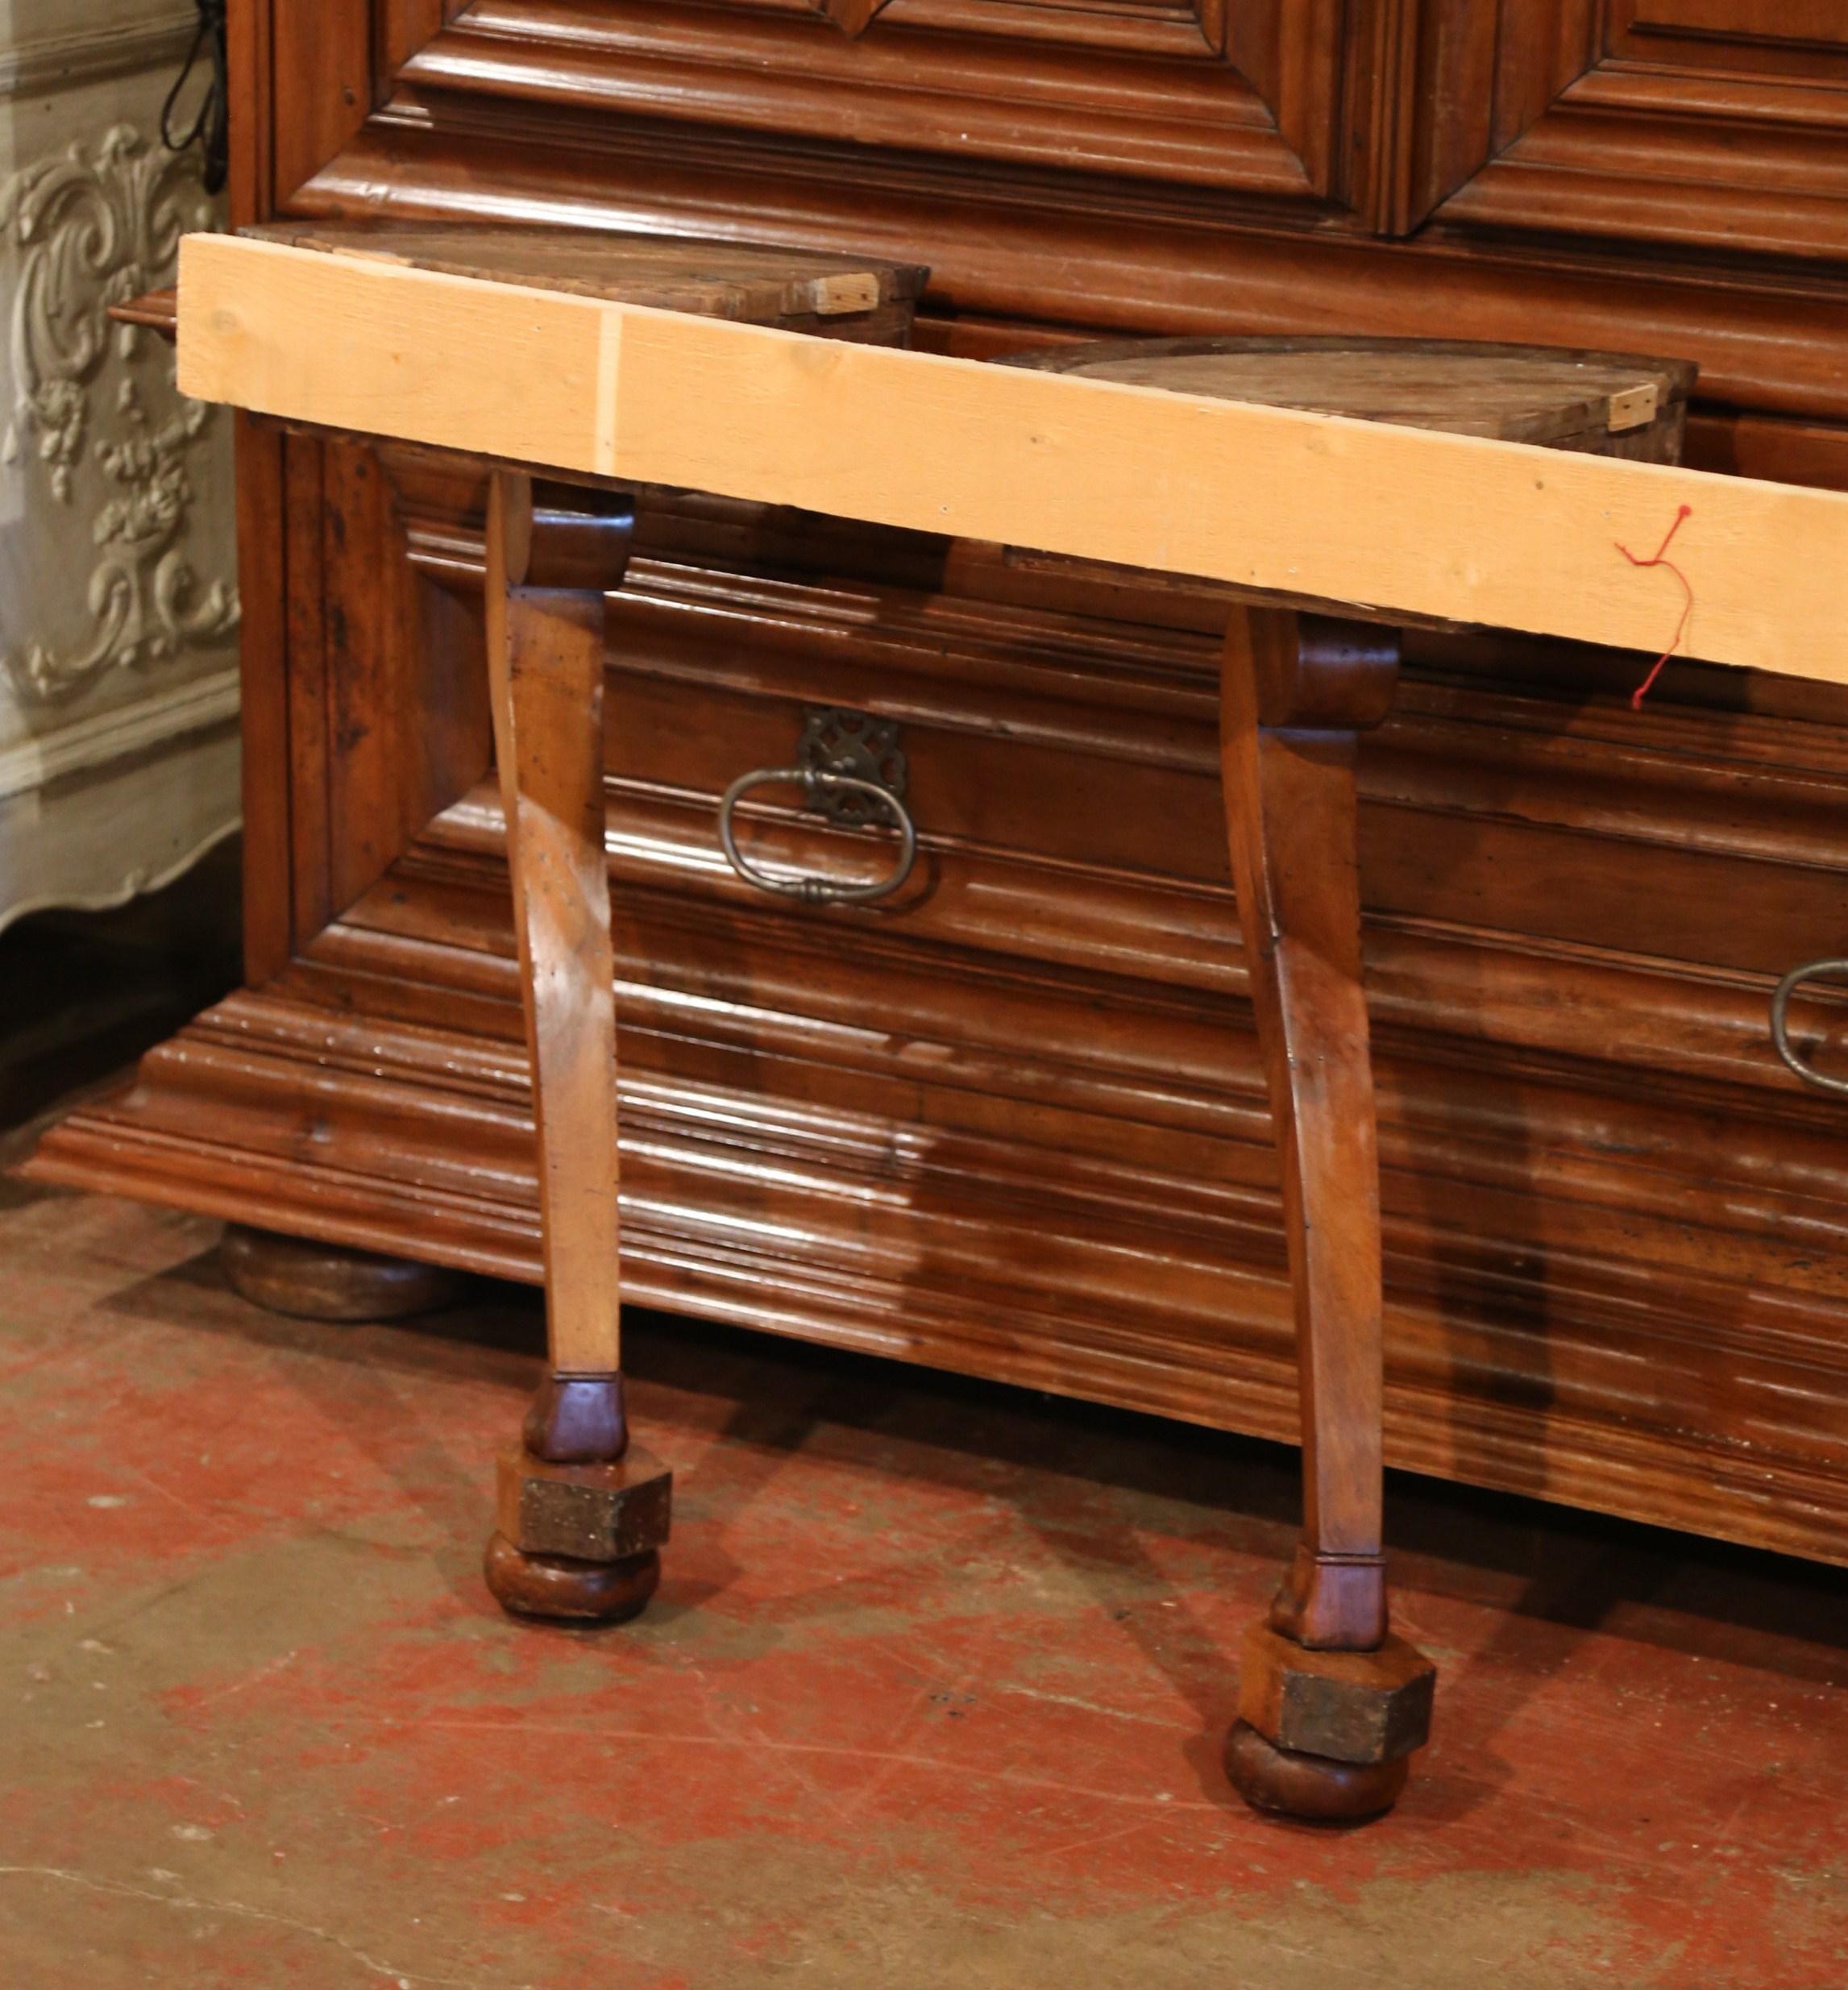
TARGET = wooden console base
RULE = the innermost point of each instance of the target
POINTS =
(1016, 1125)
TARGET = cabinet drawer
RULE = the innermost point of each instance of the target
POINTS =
(1063, 774)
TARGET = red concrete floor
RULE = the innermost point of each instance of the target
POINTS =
(931, 1696)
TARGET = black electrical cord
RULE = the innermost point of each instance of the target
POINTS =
(209, 128)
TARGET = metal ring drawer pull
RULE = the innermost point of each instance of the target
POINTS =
(817, 890)
(1780, 1035)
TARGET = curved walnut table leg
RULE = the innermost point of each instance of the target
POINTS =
(1332, 1704)
(583, 1513)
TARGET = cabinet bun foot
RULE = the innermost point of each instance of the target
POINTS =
(557, 1587)
(1313, 1789)
(309, 1280)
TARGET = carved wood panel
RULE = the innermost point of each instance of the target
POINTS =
(1718, 125)
(1275, 98)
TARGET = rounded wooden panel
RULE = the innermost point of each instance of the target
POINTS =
(756, 283)
(1516, 393)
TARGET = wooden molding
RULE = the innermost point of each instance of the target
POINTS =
(1018, 1242)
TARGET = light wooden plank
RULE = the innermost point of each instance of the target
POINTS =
(387, 350)
(1458, 527)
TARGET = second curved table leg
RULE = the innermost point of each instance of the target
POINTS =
(1331, 1704)
(583, 1513)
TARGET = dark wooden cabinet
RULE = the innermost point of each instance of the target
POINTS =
(1013, 1121)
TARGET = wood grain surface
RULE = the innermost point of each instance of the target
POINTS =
(739, 281)
(1539, 394)
(545, 662)
(1294, 694)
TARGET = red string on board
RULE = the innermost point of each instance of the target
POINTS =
(1637, 696)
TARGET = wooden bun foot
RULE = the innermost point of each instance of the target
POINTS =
(1314, 1788)
(311, 1281)
(560, 1588)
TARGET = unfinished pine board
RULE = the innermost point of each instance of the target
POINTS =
(1463, 527)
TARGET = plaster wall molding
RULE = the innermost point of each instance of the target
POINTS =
(88, 55)
(91, 226)
(121, 731)
(116, 840)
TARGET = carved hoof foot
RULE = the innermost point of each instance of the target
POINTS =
(311, 1281)
(568, 1591)
(1314, 1788)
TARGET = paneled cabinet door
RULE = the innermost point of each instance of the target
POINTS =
(1714, 124)
(1279, 99)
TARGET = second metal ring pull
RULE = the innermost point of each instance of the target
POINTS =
(817, 783)
(1779, 1030)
